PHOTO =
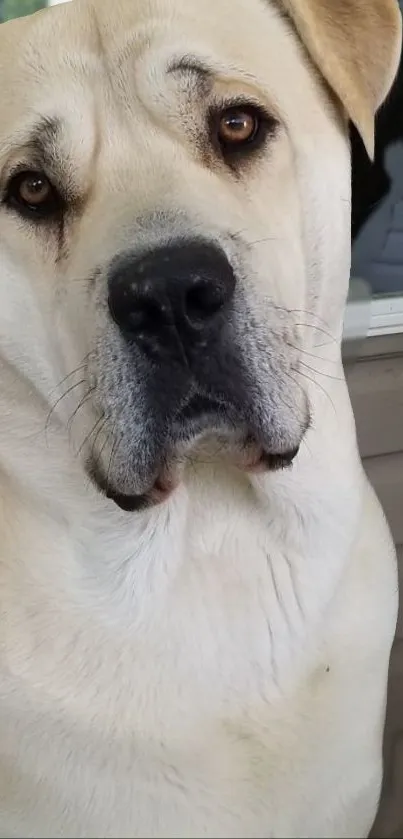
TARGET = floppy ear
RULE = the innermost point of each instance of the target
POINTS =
(356, 46)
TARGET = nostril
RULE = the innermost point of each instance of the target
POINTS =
(204, 299)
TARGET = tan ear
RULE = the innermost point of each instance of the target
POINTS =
(356, 46)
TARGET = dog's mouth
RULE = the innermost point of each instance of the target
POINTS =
(203, 430)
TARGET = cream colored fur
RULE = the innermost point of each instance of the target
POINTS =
(216, 665)
(355, 45)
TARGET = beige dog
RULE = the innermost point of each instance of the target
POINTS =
(198, 587)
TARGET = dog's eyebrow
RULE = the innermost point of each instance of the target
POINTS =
(190, 65)
(42, 140)
(207, 72)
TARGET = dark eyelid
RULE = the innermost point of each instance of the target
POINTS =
(233, 155)
(39, 151)
(30, 166)
(51, 212)
(239, 102)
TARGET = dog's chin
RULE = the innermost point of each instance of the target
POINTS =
(250, 458)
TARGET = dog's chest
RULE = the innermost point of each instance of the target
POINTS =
(179, 701)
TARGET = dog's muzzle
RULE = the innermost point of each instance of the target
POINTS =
(183, 326)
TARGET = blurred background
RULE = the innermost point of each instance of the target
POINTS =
(18, 8)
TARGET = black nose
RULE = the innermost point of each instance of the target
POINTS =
(183, 285)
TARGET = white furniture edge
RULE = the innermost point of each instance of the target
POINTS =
(386, 316)
(370, 318)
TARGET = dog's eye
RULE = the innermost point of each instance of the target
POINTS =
(33, 194)
(238, 126)
(239, 130)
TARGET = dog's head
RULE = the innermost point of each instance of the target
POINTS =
(174, 219)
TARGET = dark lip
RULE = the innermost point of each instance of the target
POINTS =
(128, 503)
(274, 462)
(268, 462)
(201, 414)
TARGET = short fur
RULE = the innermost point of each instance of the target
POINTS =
(354, 45)
(216, 664)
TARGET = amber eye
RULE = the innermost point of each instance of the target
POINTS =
(32, 193)
(238, 126)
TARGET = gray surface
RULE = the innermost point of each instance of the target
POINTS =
(376, 389)
(378, 249)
